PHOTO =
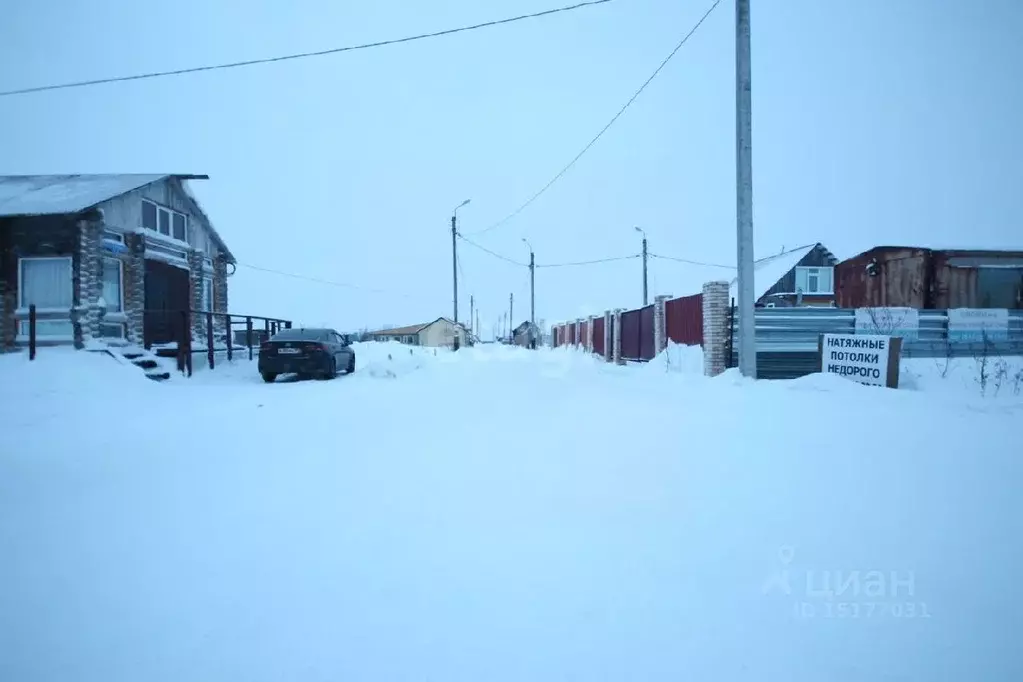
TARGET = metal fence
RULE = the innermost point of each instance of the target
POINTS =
(786, 338)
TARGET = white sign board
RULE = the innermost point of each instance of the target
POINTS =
(866, 358)
(976, 324)
(904, 322)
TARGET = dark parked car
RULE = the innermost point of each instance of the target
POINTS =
(320, 353)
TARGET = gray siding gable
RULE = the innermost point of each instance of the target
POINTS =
(818, 256)
(124, 212)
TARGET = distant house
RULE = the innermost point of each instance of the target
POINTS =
(803, 276)
(524, 334)
(107, 256)
(439, 333)
(925, 278)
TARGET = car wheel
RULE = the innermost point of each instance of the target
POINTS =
(331, 370)
(268, 377)
(351, 365)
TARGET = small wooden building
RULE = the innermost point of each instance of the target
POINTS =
(916, 277)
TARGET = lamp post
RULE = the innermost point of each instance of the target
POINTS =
(454, 259)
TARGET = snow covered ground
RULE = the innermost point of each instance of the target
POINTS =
(498, 514)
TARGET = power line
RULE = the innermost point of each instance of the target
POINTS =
(587, 262)
(317, 280)
(606, 127)
(302, 55)
(692, 262)
(492, 253)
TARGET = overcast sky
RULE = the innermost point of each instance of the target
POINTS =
(875, 122)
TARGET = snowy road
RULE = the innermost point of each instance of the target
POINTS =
(502, 515)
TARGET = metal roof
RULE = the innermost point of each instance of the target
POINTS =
(33, 195)
(768, 271)
(40, 195)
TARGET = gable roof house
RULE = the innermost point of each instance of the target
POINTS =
(440, 332)
(112, 256)
(804, 276)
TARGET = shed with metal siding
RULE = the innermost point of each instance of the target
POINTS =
(923, 278)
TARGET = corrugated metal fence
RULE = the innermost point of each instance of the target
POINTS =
(787, 338)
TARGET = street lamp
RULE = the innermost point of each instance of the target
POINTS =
(640, 230)
(454, 261)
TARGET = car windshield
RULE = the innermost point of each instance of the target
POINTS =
(300, 335)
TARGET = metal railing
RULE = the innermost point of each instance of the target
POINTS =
(218, 337)
(787, 338)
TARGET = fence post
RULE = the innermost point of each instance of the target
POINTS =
(715, 317)
(608, 321)
(589, 333)
(248, 334)
(182, 345)
(209, 339)
(730, 348)
(660, 324)
(32, 332)
(230, 338)
(617, 350)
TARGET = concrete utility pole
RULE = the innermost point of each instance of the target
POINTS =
(511, 315)
(478, 331)
(472, 308)
(454, 259)
(744, 189)
(645, 298)
(532, 296)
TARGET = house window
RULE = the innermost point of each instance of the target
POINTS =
(46, 283)
(207, 294)
(815, 280)
(164, 221)
(113, 285)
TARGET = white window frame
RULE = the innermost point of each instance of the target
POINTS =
(120, 284)
(170, 223)
(22, 306)
(22, 310)
(817, 271)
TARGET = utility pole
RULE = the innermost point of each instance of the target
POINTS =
(645, 297)
(511, 315)
(472, 327)
(454, 260)
(478, 331)
(532, 296)
(744, 189)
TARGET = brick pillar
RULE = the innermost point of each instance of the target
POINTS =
(195, 277)
(616, 353)
(220, 293)
(660, 324)
(88, 273)
(715, 327)
(589, 333)
(135, 286)
(608, 321)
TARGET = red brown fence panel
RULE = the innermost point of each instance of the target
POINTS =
(631, 335)
(584, 330)
(646, 333)
(683, 320)
(598, 336)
